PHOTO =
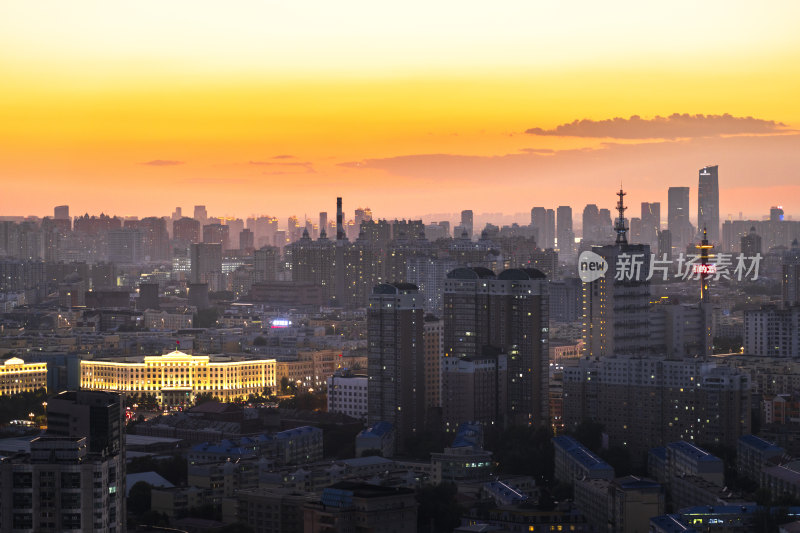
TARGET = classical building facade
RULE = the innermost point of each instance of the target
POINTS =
(18, 376)
(177, 377)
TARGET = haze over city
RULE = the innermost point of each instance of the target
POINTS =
(135, 108)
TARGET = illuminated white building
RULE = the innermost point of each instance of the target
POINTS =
(176, 377)
(17, 376)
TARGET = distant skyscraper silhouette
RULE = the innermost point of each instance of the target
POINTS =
(566, 237)
(467, 221)
(708, 202)
(678, 217)
(61, 212)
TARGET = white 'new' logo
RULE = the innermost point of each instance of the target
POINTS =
(591, 266)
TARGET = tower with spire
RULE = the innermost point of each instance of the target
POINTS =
(705, 269)
(619, 224)
(616, 306)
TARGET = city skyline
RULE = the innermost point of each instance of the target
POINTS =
(490, 110)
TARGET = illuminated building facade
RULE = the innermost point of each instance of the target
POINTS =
(17, 376)
(176, 377)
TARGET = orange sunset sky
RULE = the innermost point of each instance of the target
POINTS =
(259, 107)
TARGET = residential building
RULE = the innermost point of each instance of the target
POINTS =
(574, 461)
(396, 358)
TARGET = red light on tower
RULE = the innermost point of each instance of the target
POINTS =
(704, 268)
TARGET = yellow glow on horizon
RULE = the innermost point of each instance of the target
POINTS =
(92, 90)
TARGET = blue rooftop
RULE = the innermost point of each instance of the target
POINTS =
(370, 460)
(671, 524)
(378, 429)
(759, 443)
(693, 451)
(580, 453)
(296, 432)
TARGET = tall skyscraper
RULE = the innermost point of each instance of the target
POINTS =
(200, 214)
(544, 223)
(467, 222)
(510, 313)
(651, 223)
(708, 203)
(323, 222)
(790, 278)
(61, 212)
(591, 223)
(615, 311)
(678, 217)
(566, 237)
(396, 359)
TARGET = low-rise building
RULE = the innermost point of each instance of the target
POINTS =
(17, 376)
(348, 506)
(753, 454)
(574, 461)
(684, 458)
(782, 480)
(621, 505)
(347, 394)
(176, 378)
(379, 436)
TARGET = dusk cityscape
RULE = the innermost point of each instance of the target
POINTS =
(350, 267)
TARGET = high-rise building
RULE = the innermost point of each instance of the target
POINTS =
(708, 202)
(591, 223)
(200, 214)
(125, 246)
(664, 245)
(396, 359)
(772, 331)
(62, 485)
(644, 402)
(265, 263)
(428, 273)
(678, 217)
(751, 243)
(566, 237)
(314, 261)
(467, 222)
(433, 333)
(61, 212)
(73, 479)
(508, 312)
(207, 264)
(790, 275)
(543, 221)
(651, 223)
(217, 233)
(323, 222)
(775, 214)
(246, 239)
(186, 230)
(615, 308)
